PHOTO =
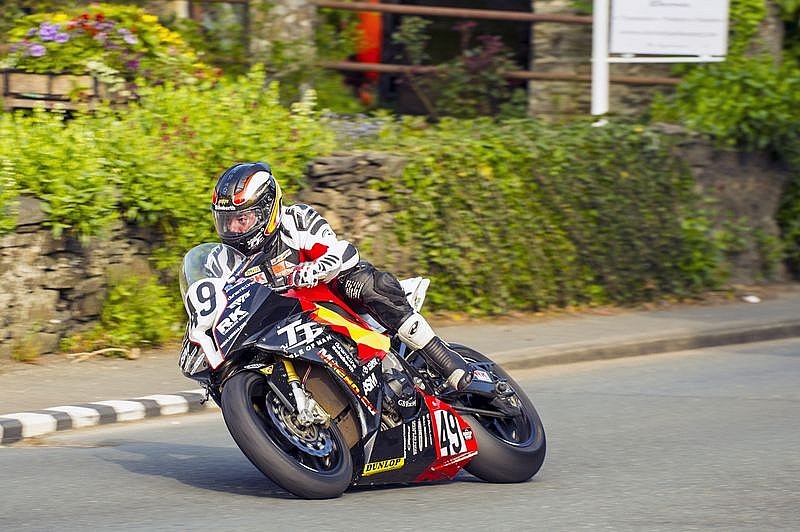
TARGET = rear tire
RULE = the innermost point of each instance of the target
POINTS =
(244, 405)
(510, 450)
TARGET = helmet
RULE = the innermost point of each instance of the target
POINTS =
(247, 206)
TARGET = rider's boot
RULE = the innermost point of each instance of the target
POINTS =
(418, 334)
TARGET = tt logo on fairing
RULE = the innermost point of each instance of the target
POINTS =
(299, 332)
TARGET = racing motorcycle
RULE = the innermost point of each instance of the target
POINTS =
(319, 398)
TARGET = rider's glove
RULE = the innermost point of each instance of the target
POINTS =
(306, 275)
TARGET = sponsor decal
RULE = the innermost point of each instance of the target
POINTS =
(233, 335)
(256, 241)
(260, 278)
(370, 383)
(481, 375)
(233, 318)
(413, 328)
(370, 365)
(236, 287)
(391, 464)
(418, 435)
(467, 432)
(280, 258)
(344, 355)
(252, 271)
(301, 332)
(280, 265)
(239, 300)
(348, 380)
(268, 369)
(407, 403)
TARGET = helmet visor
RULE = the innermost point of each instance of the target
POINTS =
(231, 224)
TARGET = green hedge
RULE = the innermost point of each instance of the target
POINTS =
(154, 163)
(517, 215)
(526, 215)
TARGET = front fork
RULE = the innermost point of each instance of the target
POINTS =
(308, 410)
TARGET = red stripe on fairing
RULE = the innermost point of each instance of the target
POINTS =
(308, 298)
(320, 293)
(446, 467)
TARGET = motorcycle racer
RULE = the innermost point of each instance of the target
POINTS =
(300, 245)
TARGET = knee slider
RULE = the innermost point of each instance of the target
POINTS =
(382, 295)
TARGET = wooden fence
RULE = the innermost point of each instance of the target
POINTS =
(486, 14)
(195, 11)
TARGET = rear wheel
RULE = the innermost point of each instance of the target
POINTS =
(510, 449)
(309, 461)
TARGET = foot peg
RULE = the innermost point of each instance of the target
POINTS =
(459, 379)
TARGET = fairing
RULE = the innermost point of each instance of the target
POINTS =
(229, 315)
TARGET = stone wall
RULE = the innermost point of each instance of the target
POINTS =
(744, 188)
(53, 287)
(339, 188)
(56, 286)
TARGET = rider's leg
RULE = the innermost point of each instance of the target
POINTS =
(381, 294)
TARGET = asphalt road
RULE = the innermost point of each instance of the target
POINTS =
(699, 440)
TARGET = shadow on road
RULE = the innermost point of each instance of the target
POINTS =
(213, 468)
(222, 469)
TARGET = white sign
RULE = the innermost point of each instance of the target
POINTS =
(671, 27)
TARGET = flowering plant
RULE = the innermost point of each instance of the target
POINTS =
(121, 45)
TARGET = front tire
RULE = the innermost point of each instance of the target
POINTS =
(509, 450)
(246, 399)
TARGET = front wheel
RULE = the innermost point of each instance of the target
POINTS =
(309, 461)
(510, 449)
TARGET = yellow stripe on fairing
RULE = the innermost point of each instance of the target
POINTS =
(361, 335)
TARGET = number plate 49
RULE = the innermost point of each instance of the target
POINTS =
(452, 434)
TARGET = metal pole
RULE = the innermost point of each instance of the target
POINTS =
(600, 72)
(388, 68)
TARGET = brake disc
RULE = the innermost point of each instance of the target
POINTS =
(311, 439)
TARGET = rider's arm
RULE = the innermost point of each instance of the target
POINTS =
(319, 245)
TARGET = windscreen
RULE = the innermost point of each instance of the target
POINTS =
(208, 260)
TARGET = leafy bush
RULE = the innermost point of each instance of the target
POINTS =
(152, 165)
(155, 164)
(118, 44)
(516, 215)
(139, 311)
(523, 215)
(750, 102)
(469, 85)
